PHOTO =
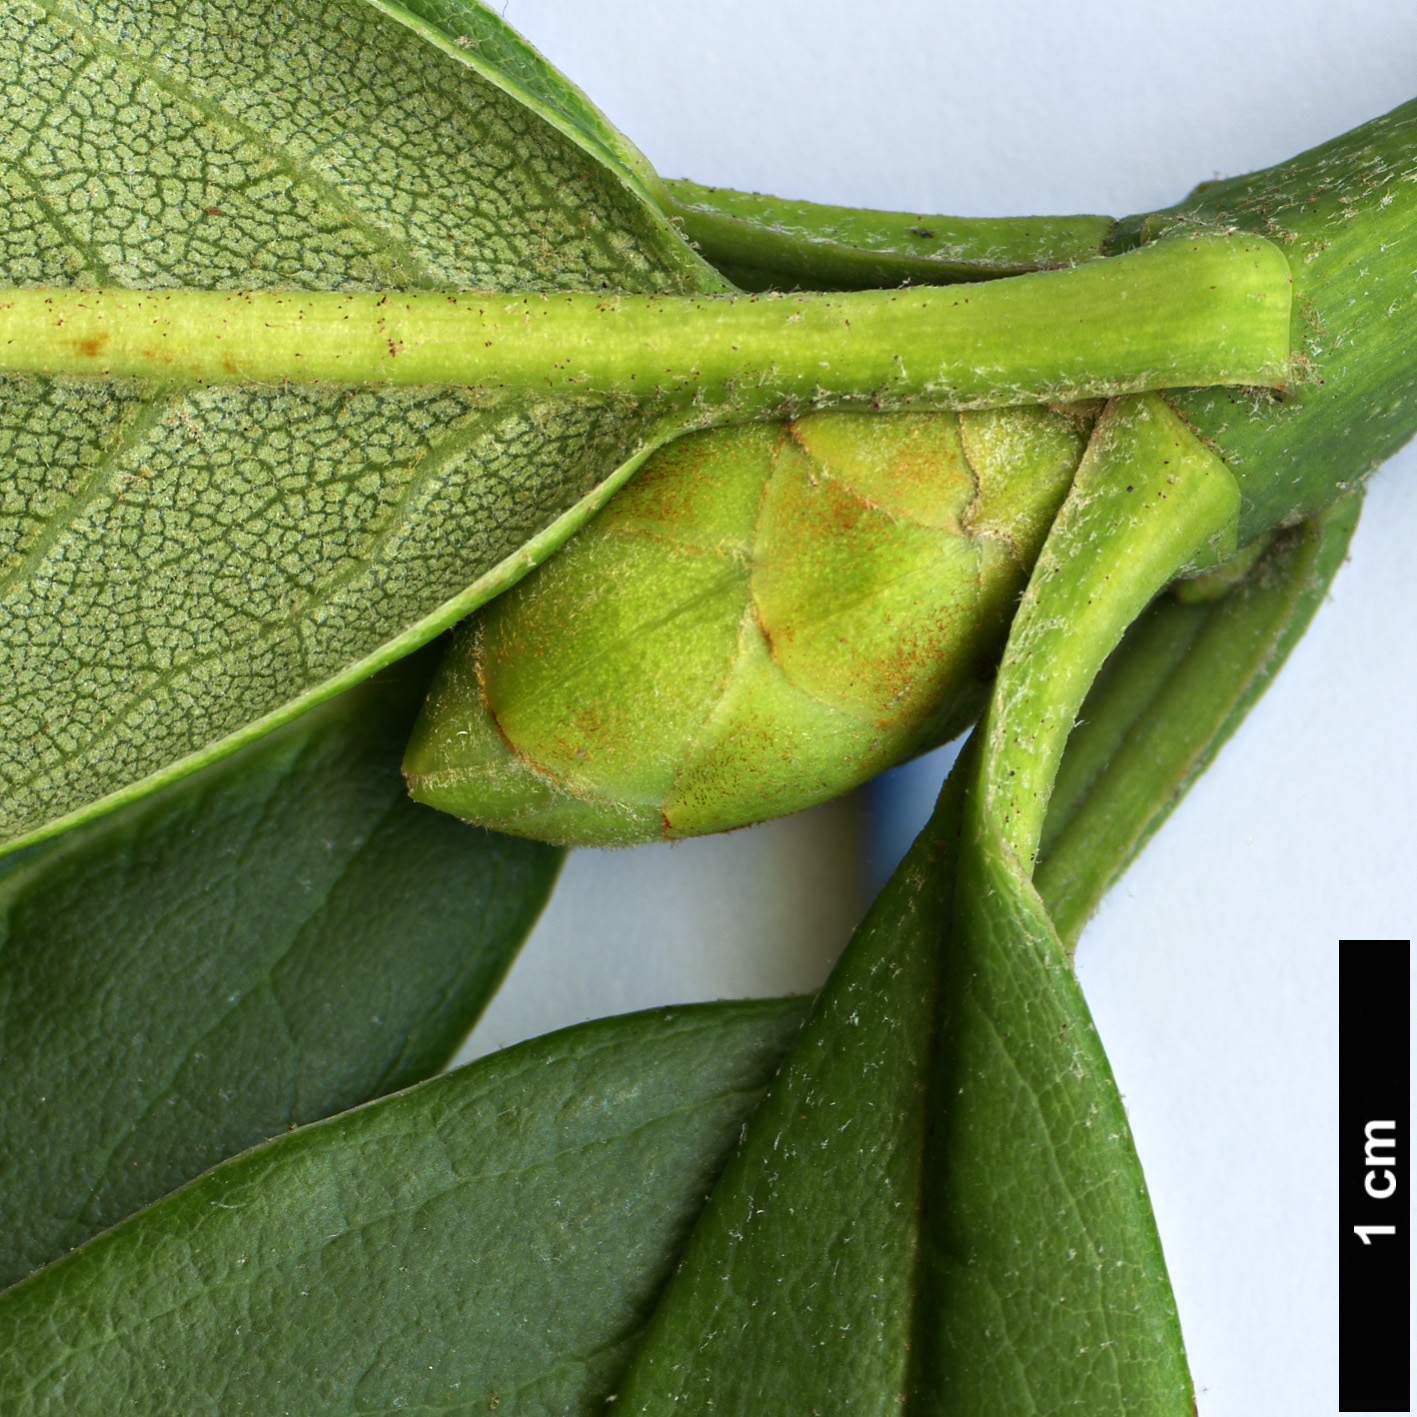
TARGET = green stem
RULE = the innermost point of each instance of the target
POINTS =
(772, 243)
(1178, 312)
(1346, 213)
(1147, 498)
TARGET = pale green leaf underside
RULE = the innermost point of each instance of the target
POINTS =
(491, 46)
(493, 1238)
(253, 144)
(213, 558)
(177, 566)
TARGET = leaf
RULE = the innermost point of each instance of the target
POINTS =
(967, 1236)
(182, 568)
(482, 39)
(1178, 686)
(270, 941)
(938, 1208)
(1042, 1280)
(342, 145)
(797, 1288)
(492, 1237)
(768, 243)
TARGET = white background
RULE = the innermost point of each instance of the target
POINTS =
(1212, 968)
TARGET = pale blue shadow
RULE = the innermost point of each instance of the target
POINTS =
(898, 803)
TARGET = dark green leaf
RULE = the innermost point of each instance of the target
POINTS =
(768, 243)
(939, 1208)
(1043, 1286)
(968, 1234)
(184, 567)
(798, 1287)
(490, 1239)
(277, 938)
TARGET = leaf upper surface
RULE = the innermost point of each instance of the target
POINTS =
(177, 565)
(491, 1238)
(1043, 1284)
(273, 940)
(939, 1209)
(798, 1289)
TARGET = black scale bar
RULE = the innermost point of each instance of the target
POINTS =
(1374, 1165)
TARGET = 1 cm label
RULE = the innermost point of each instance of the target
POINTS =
(1380, 1182)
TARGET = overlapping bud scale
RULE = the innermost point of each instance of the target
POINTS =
(765, 617)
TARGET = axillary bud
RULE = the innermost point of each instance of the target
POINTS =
(765, 617)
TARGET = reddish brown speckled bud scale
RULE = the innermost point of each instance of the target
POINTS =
(765, 617)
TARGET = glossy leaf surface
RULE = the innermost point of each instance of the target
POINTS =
(275, 939)
(179, 565)
(494, 1237)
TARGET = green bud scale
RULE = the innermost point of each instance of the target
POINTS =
(768, 615)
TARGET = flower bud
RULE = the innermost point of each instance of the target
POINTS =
(767, 616)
